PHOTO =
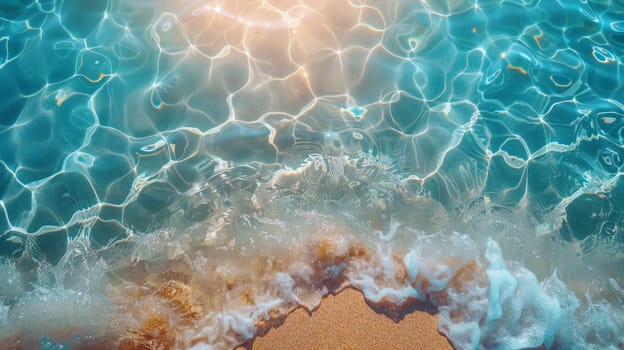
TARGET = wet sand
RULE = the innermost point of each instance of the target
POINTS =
(345, 321)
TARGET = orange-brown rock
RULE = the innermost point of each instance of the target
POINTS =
(179, 296)
(357, 250)
(155, 333)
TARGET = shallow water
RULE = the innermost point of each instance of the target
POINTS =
(194, 169)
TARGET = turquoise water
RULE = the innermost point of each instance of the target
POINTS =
(193, 138)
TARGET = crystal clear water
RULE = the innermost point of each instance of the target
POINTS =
(179, 173)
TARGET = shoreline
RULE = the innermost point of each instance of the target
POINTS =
(346, 321)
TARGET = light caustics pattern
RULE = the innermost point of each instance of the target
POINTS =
(179, 174)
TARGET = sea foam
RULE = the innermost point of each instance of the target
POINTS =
(219, 285)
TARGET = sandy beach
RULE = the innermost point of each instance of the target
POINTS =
(345, 321)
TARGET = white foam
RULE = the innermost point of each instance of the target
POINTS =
(57, 313)
(221, 295)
